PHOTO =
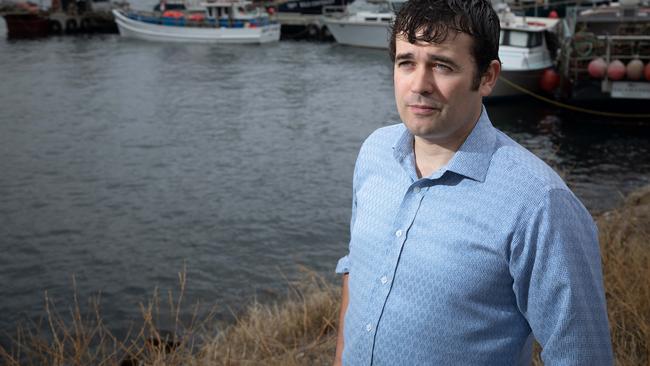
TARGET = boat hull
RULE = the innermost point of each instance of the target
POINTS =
(26, 25)
(526, 79)
(131, 28)
(370, 35)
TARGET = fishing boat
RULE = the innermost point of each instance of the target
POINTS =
(606, 56)
(527, 50)
(218, 22)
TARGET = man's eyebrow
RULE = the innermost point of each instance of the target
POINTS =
(404, 56)
(432, 58)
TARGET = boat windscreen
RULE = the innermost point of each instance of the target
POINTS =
(516, 38)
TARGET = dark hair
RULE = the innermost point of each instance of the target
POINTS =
(431, 21)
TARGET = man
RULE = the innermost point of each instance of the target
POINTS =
(464, 246)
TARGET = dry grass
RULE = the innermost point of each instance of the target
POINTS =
(625, 245)
(82, 338)
(301, 330)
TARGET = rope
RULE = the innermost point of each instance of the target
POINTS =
(572, 107)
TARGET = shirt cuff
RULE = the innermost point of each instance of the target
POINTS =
(343, 266)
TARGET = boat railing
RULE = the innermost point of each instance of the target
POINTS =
(187, 20)
(584, 47)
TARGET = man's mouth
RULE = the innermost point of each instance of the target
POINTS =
(422, 108)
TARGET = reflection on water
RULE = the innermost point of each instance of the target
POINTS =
(123, 160)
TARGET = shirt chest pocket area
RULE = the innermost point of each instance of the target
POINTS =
(457, 262)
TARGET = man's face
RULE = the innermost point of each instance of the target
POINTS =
(433, 88)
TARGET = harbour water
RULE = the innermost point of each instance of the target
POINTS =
(122, 161)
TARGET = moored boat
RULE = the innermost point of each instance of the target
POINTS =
(606, 56)
(363, 24)
(220, 22)
(527, 48)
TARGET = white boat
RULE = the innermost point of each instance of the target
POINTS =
(221, 22)
(363, 24)
(526, 48)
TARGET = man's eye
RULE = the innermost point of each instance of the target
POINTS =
(405, 64)
(442, 67)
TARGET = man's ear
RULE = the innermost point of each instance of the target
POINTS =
(489, 78)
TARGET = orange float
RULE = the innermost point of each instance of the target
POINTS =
(634, 69)
(597, 68)
(549, 81)
(616, 70)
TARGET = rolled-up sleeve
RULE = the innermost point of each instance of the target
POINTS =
(556, 268)
(343, 266)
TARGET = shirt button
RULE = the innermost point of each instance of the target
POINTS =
(416, 189)
(369, 327)
(398, 233)
(384, 279)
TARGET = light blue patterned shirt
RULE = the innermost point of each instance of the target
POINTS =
(469, 265)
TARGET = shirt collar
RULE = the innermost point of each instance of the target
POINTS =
(472, 159)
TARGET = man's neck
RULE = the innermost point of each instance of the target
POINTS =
(430, 157)
(433, 154)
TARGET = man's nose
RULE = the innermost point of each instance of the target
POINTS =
(423, 81)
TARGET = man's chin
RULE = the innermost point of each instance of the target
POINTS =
(422, 131)
(421, 125)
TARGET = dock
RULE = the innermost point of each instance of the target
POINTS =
(303, 26)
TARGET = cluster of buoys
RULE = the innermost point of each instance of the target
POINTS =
(617, 70)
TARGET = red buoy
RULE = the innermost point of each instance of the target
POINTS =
(616, 70)
(634, 69)
(549, 81)
(553, 14)
(646, 71)
(597, 68)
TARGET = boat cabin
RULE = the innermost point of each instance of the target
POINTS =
(230, 13)
(529, 32)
